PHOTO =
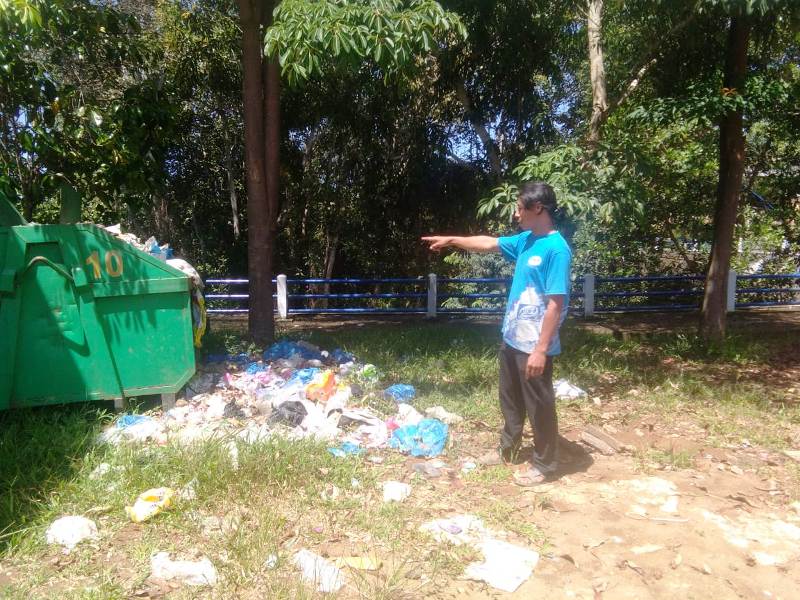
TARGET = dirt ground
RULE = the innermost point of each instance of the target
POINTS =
(728, 526)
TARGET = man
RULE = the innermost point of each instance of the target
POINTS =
(537, 306)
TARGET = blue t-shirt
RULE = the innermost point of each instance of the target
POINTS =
(542, 269)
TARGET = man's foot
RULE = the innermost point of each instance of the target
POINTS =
(530, 476)
(496, 457)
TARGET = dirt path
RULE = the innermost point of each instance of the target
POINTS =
(727, 527)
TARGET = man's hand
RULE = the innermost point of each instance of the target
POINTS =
(470, 243)
(437, 242)
(535, 365)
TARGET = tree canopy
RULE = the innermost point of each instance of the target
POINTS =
(403, 117)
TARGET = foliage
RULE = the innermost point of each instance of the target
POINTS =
(138, 107)
(309, 37)
(79, 107)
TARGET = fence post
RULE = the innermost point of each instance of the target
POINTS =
(432, 298)
(283, 298)
(731, 295)
(588, 295)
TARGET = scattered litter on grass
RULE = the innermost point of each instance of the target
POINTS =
(100, 471)
(138, 428)
(195, 573)
(564, 390)
(395, 491)
(400, 392)
(427, 469)
(70, 531)
(468, 467)
(201, 383)
(445, 416)
(427, 438)
(271, 562)
(294, 390)
(369, 373)
(150, 503)
(319, 571)
(505, 566)
(346, 449)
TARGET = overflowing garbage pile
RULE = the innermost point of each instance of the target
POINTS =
(298, 391)
(165, 253)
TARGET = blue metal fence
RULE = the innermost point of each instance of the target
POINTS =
(431, 295)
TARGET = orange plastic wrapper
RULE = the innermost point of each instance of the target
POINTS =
(322, 387)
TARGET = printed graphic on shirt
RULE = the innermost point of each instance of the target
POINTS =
(523, 321)
(542, 268)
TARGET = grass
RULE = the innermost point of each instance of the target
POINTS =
(675, 459)
(274, 500)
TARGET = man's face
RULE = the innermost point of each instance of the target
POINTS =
(526, 217)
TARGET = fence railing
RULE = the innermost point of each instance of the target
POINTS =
(433, 295)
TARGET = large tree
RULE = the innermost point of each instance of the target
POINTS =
(741, 13)
(305, 35)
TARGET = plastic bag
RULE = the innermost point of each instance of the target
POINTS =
(340, 356)
(322, 387)
(424, 439)
(400, 392)
(150, 503)
(71, 531)
(197, 573)
(287, 349)
(346, 449)
(303, 376)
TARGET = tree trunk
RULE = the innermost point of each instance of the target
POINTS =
(488, 143)
(272, 164)
(260, 322)
(331, 246)
(229, 174)
(731, 169)
(234, 198)
(597, 69)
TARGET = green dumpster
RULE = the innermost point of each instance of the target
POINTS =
(86, 316)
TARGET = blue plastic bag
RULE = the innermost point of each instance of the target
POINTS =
(402, 393)
(340, 356)
(304, 376)
(255, 367)
(126, 421)
(427, 438)
(346, 449)
(288, 349)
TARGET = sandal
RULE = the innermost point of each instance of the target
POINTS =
(530, 477)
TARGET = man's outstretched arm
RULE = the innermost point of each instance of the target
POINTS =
(470, 243)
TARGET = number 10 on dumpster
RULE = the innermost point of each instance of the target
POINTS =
(113, 263)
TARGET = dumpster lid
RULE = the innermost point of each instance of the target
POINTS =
(9, 217)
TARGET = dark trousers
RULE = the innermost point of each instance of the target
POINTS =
(535, 397)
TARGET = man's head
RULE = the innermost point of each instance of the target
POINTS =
(536, 206)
